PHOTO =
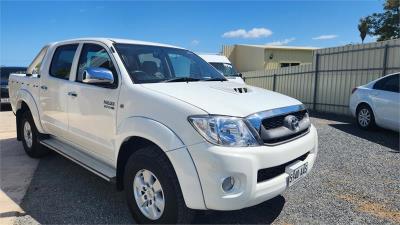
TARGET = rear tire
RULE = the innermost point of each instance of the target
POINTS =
(152, 189)
(30, 135)
(365, 117)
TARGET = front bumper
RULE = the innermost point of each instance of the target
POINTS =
(214, 163)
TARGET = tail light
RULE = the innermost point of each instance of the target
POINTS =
(354, 90)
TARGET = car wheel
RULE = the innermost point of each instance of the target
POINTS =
(365, 117)
(152, 189)
(30, 139)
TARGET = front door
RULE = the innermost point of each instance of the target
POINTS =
(386, 100)
(92, 108)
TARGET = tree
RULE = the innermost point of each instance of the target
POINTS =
(363, 28)
(385, 25)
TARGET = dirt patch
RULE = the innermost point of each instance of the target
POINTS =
(376, 209)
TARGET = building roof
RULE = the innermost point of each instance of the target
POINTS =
(281, 47)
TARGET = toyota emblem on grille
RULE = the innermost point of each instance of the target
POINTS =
(292, 122)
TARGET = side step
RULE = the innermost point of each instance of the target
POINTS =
(94, 165)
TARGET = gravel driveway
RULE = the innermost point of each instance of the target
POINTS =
(356, 180)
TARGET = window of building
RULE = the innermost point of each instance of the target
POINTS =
(289, 64)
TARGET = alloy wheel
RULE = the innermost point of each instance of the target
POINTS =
(149, 195)
(28, 134)
(364, 117)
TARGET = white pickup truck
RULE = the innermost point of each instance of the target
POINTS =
(162, 124)
(223, 65)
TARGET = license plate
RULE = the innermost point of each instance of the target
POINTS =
(5, 100)
(296, 171)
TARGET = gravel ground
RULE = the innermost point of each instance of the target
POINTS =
(356, 181)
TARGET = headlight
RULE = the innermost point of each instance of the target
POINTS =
(224, 130)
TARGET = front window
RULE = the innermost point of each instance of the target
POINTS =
(94, 55)
(153, 64)
(225, 68)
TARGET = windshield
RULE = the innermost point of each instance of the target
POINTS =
(225, 68)
(153, 64)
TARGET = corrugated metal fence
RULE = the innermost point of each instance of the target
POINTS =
(326, 84)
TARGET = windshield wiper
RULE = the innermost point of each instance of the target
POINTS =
(182, 79)
(215, 79)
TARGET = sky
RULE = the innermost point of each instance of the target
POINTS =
(201, 26)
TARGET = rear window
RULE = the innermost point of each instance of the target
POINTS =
(62, 61)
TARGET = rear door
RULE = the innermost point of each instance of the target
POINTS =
(92, 107)
(54, 90)
(386, 101)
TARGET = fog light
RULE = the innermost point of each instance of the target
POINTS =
(228, 184)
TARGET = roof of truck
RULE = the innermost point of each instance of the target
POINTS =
(119, 40)
(215, 58)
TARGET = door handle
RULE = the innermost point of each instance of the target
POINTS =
(43, 87)
(73, 94)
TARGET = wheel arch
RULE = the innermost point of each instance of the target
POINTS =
(374, 119)
(26, 102)
(139, 132)
(363, 103)
(18, 116)
(130, 146)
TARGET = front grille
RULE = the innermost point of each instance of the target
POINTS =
(279, 140)
(269, 173)
(277, 121)
(280, 125)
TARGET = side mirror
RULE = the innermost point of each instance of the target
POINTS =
(97, 75)
(240, 75)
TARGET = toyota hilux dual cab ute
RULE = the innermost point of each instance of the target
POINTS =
(163, 125)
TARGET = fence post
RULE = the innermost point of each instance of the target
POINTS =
(315, 81)
(274, 83)
(385, 55)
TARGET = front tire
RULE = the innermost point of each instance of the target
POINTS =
(152, 189)
(365, 117)
(30, 139)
